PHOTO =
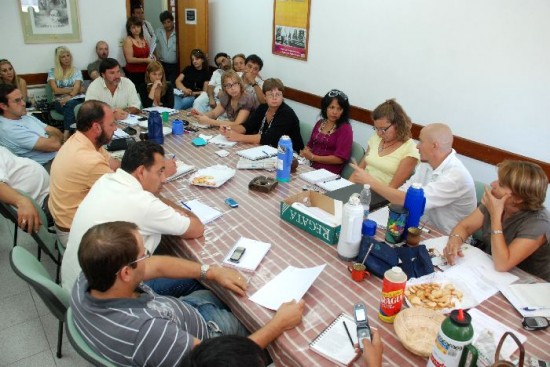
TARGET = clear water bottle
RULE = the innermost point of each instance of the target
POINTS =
(284, 159)
(365, 200)
(350, 232)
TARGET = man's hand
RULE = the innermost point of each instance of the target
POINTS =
(120, 114)
(27, 216)
(372, 354)
(212, 102)
(170, 167)
(228, 278)
(289, 315)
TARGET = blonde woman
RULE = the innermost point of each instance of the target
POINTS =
(156, 91)
(65, 81)
(9, 76)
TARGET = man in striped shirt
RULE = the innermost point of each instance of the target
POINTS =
(127, 323)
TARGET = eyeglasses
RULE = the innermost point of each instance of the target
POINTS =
(273, 94)
(336, 92)
(18, 100)
(145, 256)
(230, 85)
(381, 129)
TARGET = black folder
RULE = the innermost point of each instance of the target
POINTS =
(344, 193)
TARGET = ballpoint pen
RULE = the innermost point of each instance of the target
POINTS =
(349, 335)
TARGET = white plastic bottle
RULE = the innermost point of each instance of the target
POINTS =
(365, 200)
(350, 232)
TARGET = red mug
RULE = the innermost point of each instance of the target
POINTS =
(358, 272)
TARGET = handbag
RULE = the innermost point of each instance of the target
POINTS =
(119, 144)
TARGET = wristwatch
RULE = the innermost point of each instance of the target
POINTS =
(204, 270)
(255, 84)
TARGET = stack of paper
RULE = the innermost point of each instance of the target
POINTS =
(319, 175)
(253, 255)
(222, 141)
(261, 152)
(205, 213)
(268, 164)
(529, 299)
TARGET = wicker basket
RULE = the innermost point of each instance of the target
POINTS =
(417, 328)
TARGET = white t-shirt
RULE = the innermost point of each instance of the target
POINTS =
(120, 197)
(449, 190)
(24, 174)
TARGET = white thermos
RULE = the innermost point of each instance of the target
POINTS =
(350, 232)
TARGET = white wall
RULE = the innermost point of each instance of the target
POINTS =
(481, 67)
(99, 20)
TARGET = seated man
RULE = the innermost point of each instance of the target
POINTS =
(25, 135)
(115, 90)
(207, 101)
(102, 51)
(251, 78)
(132, 194)
(126, 322)
(25, 175)
(448, 186)
(81, 161)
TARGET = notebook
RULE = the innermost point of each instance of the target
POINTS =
(268, 163)
(333, 343)
(222, 141)
(261, 152)
(334, 184)
(205, 213)
(251, 258)
(181, 169)
(318, 175)
(344, 193)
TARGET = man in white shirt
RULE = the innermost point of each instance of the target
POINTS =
(448, 186)
(115, 90)
(207, 101)
(132, 194)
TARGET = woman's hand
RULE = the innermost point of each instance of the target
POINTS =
(307, 154)
(359, 175)
(453, 249)
(494, 206)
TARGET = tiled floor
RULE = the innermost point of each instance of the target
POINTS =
(28, 331)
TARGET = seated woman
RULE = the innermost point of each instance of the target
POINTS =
(269, 122)
(9, 76)
(192, 80)
(156, 91)
(238, 62)
(391, 155)
(234, 102)
(65, 81)
(329, 146)
(136, 51)
(515, 226)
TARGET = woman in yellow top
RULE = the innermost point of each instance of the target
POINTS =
(391, 153)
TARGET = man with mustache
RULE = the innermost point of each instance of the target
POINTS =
(102, 51)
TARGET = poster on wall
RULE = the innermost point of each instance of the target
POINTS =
(291, 28)
(50, 21)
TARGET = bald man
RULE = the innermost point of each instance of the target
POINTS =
(102, 51)
(448, 186)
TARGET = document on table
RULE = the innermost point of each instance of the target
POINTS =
(119, 133)
(380, 216)
(273, 294)
(222, 141)
(254, 253)
(529, 299)
(205, 212)
(131, 120)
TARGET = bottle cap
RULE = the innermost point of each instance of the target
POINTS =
(366, 186)
(396, 269)
(460, 317)
(417, 185)
(369, 228)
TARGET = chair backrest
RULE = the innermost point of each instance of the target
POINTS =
(357, 152)
(8, 212)
(48, 91)
(80, 345)
(305, 131)
(28, 268)
(480, 190)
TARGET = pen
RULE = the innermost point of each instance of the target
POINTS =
(267, 155)
(171, 156)
(185, 205)
(349, 335)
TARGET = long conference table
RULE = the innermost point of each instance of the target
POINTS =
(332, 293)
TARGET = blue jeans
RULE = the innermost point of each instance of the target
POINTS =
(183, 103)
(174, 287)
(218, 317)
(68, 111)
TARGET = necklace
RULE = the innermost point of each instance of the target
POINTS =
(323, 126)
(265, 120)
(381, 147)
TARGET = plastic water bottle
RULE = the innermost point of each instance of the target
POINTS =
(284, 159)
(365, 200)
(350, 232)
(415, 202)
(154, 127)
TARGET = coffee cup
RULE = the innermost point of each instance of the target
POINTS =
(413, 236)
(165, 117)
(177, 127)
(358, 272)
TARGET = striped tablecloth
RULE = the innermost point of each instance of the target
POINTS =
(333, 292)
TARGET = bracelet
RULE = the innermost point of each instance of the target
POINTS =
(496, 231)
(457, 235)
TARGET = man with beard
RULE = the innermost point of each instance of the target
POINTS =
(80, 162)
(102, 51)
(115, 90)
(207, 101)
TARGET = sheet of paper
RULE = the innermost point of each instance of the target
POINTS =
(334, 184)
(529, 299)
(252, 257)
(221, 140)
(205, 212)
(119, 133)
(277, 291)
(131, 120)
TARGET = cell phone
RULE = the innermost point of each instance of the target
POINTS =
(362, 322)
(130, 130)
(231, 202)
(237, 254)
(535, 323)
(142, 118)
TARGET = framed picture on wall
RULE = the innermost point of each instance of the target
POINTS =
(50, 21)
(291, 28)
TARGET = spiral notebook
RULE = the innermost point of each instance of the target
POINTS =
(261, 152)
(333, 343)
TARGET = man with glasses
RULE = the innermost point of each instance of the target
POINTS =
(207, 101)
(448, 186)
(132, 194)
(129, 324)
(23, 134)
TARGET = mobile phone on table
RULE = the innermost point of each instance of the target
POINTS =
(237, 254)
(535, 323)
(231, 202)
(362, 322)
(130, 130)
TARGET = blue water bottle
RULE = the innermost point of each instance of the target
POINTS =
(154, 125)
(284, 159)
(415, 202)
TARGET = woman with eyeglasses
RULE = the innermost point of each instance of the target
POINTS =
(136, 51)
(514, 224)
(156, 91)
(234, 102)
(269, 121)
(391, 155)
(192, 80)
(65, 81)
(9, 76)
(329, 146)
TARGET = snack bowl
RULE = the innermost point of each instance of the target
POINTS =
(417, 328)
